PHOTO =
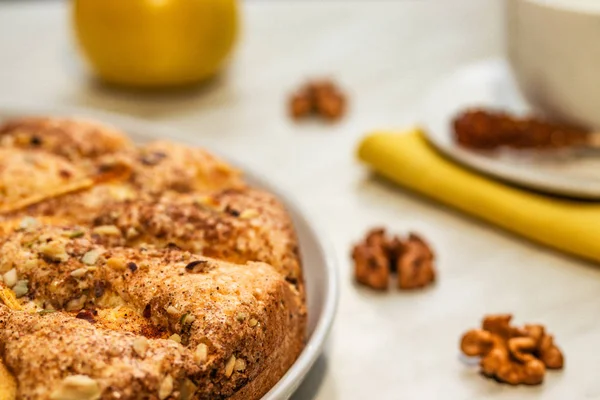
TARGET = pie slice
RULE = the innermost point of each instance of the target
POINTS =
(213, 324)
(163, 165)
(29, 177)
(66, 137)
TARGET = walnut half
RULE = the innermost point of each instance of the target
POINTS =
(378, 256)
(510, 354)
(372, 261)
(321, 98)
(415, 263)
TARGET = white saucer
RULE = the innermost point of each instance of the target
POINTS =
(491, 84)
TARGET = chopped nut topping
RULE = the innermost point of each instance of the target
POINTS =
(511, 354)
(54, 250)
(187, 319)
(116, 263)
(91, 257)
(229, 366)
(131, 233)
(11, 278)
(172, 310)
(28, 223)
(188, 389)
(249, 214)
(78, 273)
(240, 364)
(166, 388)
(55, 285)
(201, 353)
(241, 316)
(76, 304)
(21, 288)
(206, 201)
(77, 387)
(253, 322)
(74, 234)
(175, 337)
(108, 230)
(140, 346)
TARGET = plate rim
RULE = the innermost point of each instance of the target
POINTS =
(294, 376)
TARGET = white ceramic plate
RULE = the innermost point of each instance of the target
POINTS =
(491, 84)
(320, 271)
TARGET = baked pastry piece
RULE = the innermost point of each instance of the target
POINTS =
(73, 139)
(165, 276)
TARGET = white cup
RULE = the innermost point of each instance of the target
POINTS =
(554, 50)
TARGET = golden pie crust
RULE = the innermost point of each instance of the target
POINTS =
(139, 272)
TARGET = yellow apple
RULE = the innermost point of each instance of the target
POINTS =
(155, 43)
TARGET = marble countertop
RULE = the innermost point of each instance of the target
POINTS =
(386, 54)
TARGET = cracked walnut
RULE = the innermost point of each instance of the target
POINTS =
(511, 354)
(378, 256)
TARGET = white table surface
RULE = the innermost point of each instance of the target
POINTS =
(384, 346)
